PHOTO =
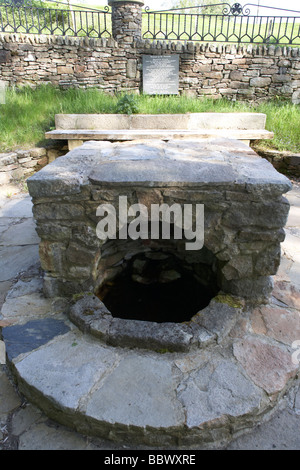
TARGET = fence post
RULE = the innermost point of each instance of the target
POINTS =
(126, 19)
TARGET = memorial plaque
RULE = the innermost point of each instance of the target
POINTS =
(161, 74)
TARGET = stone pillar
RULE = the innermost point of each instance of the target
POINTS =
(126, 19)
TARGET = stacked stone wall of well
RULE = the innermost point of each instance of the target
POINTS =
(239, 231)
(250, 72)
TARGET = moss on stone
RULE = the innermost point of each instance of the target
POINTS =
(163, 351)
(229, 300)
(80, 295)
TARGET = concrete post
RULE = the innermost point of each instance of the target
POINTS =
(126, 19)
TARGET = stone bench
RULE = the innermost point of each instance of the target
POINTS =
(77, 128)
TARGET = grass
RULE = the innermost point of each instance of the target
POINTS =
(29, 113)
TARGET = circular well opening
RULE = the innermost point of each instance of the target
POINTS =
(159, 287)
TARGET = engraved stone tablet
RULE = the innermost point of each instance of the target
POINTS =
(160, 74)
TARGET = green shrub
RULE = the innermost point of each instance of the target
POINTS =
(128, 104)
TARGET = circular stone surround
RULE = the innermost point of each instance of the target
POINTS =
(208, 326)
(203, 397)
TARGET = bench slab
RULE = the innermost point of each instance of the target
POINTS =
(76, 137)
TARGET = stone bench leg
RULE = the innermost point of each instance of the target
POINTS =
(247, 142)
(73, 144)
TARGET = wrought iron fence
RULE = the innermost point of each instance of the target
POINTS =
(222, 22)
(37, 17)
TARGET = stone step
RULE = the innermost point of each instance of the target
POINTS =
(123, 394)
(138, 396)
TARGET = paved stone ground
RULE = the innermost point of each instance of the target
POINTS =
(24, 427)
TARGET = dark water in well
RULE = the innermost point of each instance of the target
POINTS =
(175, 301)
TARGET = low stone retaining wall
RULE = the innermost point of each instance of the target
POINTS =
(252, 73)
(20, 164)
(284, 162)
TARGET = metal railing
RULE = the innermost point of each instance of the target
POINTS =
(226, 23)
(220, 22)
(31, 17)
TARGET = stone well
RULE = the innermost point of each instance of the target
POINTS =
(159, 381)
(244, 216)
(244, 210)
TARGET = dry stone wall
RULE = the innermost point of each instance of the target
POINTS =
(252, 73)
(19, 164)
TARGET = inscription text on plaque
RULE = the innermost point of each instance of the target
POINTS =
(161, 74)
